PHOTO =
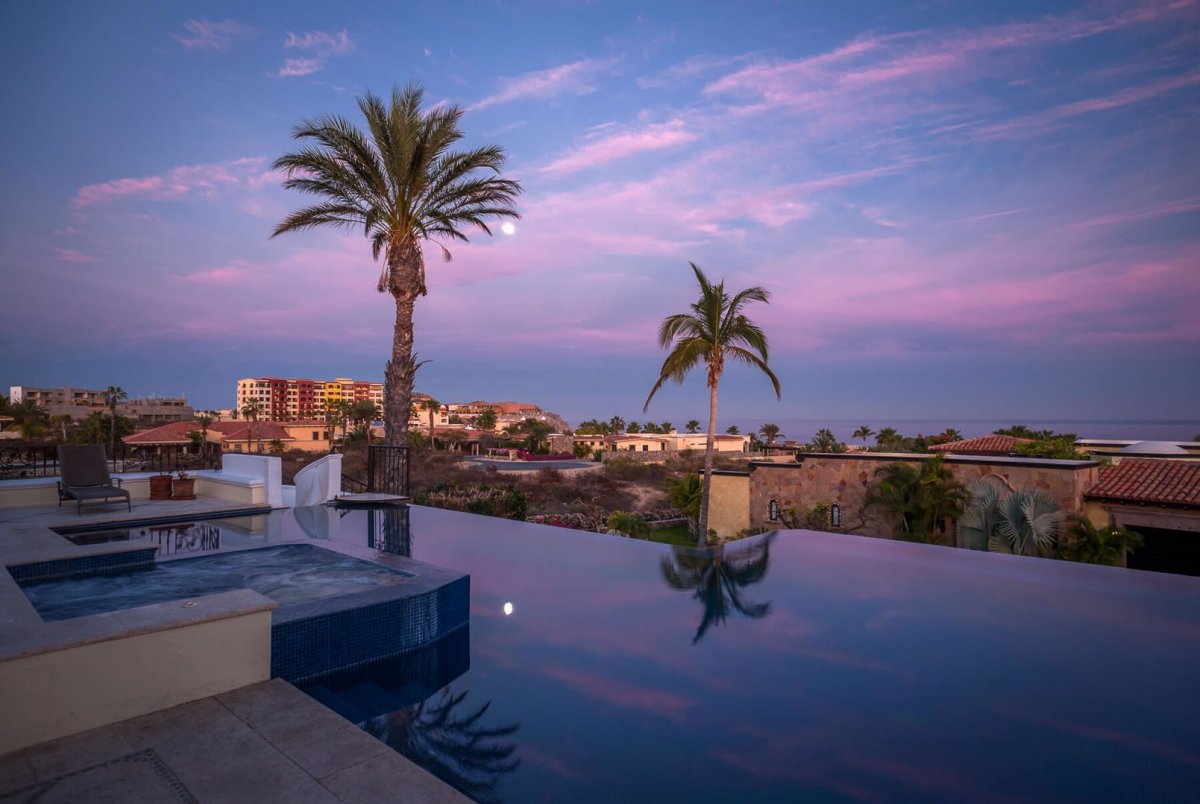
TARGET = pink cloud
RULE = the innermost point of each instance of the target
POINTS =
(601, 150)
(323, 42)
(71, 255)
(296, 67)
(1144, 213)
(211, 34)
(566, 79)
(205, 180)
(1039, 122)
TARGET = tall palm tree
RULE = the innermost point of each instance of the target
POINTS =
(112, 395)
(714, 331)
(717, 580)
(693, 426)
(402, 185)
(433, 406)
(251, 410)
(864, 433)
(770, 432)
(616, 424)
(205, 421)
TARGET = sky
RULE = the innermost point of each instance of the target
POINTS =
(960, 209)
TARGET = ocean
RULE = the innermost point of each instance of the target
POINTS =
(1146, 430)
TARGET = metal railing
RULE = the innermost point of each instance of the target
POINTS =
(41, 460)
(388, 469)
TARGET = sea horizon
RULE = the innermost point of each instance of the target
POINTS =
(798, 429)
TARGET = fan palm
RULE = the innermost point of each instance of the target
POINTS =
(402, 185)
(714, 331)
(1029, 523)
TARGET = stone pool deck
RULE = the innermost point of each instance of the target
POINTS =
(263, 743)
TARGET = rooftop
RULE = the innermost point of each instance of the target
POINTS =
(1149, 481)
(983, 445)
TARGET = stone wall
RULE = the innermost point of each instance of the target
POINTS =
(844, 479)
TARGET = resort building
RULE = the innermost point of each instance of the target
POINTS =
(241, 436)
(665, 443)
(289, 399)
(79, 403)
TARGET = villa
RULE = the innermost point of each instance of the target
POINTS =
(265, 642)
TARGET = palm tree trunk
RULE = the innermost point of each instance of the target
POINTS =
(431, 429)
(404, 260)
(112, 433)
(702, 537)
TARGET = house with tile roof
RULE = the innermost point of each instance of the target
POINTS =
(1160, 499)
(239, 435)
(992, 444)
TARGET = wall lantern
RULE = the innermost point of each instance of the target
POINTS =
(835, 515)
(773, 510)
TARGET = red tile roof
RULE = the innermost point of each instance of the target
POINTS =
(1149, 481)
(984, 445)
(176, 432)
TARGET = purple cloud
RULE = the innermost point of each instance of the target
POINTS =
(211, 34)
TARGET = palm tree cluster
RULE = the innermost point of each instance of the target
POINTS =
(918, 499)
(715, 330)
(402, 184)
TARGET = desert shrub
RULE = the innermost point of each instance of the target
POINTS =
(549, 476)
(628, 523)
(573, 521)
(582, 451)
(507, 502)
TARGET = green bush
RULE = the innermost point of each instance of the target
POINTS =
(631, 524)
(507, 502)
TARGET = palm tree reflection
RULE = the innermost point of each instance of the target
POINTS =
(718, 579)
(451, 742)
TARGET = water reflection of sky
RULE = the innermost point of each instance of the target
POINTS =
(879, 671)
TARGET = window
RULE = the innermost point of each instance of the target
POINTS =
(645, 447)
(316, 436)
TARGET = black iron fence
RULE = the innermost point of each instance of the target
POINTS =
(41, 460)
(388, 469)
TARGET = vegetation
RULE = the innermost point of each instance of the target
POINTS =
(403, 186)
(487, 419)
(1023, 522)
(825, 441)
(864, 433)
(252, 410)
(686, 493)
(112, 395)
(770, 432)
(919, 499)
(732, 430)
(1107, 544)
(714, 331)
(532, 433)
(507, 502)
(693, 427)
(628, 523)
(433, 407)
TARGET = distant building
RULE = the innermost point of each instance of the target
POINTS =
(666, 443)
(240, 436)
(79, 403)
(992, 444)
(290, 399)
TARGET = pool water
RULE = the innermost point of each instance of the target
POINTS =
(804, 666)
(288, 574)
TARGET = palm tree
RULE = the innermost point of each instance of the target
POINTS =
(62, 422)
(920, 499)
(888, 439)
(715, 330)
(770, 432)
(825, 441)
(1108, 544)
(112, 395)
(718, 580)
(732, 430)
(1028, 523)
(616, 424)
(251, 411)
(693, 426)
(433, 406)
(205, 421)
(403, 186)
(487, 419)
(864, 433)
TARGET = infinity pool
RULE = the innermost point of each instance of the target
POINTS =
(807, 666)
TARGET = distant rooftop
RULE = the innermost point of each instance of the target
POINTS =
(1149, 481)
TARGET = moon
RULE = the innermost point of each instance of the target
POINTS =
(508, 228)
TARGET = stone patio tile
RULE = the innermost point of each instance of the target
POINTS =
(68, 754)
(15, 772)
(314, 737)
(389, 778)
(218, 758)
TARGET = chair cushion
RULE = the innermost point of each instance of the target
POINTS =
(95, 492)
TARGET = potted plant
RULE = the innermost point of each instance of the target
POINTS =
(184, 487)
(160, 486)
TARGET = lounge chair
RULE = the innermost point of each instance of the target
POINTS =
(84, 473)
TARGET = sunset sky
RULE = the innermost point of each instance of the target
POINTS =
(960, 209)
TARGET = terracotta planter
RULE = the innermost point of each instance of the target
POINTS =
(160, 487)
(184, 489)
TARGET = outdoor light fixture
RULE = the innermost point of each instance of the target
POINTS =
(508, 609)
(835, 515)
(773, 510)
